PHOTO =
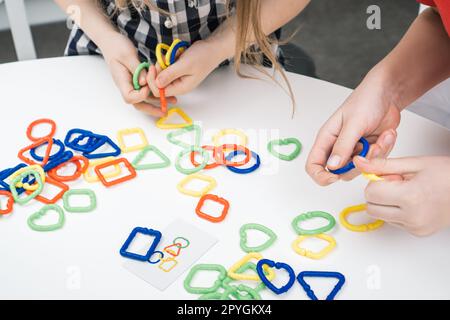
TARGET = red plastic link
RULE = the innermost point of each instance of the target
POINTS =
(111, 183)
(9, 204)
(219, 155)
(36, 144)
(38, 122)
(169, 250)
(82, 164)
(163, 100)
(212, 197)
(64, 188)
(208, 166)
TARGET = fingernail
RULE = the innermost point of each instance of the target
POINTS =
(362, 159)
(389, 139)
(333, 180)
(334, 161)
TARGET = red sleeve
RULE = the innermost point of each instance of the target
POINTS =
(444, 9)
(427, 2)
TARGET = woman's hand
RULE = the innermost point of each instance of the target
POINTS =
(368, 112)
(122, 59)
(191, 68)
(419, 201)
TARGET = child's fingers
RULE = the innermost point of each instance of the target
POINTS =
(385, 143)
(345, 145)
(172, 73)
(316, 162)
(143, 78)
(179, 86)
(153, 100)
(132, 63)
(149, 109)
(123, 80)
(172, 100)
(151, 80)
(381, 149)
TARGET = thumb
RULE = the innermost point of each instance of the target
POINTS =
(131, 64)
(385, 167)
(171, 73)
(344, 146)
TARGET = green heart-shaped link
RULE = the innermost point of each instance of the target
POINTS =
(173, 136)
(43, 228)
(284, 142)
(311, 215)
(141, 155)
(254, 226)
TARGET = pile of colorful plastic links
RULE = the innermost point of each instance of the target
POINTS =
(222, 155)
(47, 160)
(172, 251)
(246, 279)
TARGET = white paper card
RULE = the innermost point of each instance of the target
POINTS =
(200, 243)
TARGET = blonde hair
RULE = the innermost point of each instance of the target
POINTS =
(252, 44)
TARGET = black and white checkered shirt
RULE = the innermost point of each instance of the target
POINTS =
(190, 21)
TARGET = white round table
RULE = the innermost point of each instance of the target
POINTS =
(79, 92)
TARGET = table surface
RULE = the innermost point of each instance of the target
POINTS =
(79, 92)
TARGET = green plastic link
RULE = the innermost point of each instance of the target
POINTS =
(34, 194)
(137, 72)
(227, 282)
(310, 215)
(176, 240)
(254, 226)
(44, 228)
(83, 192)
(172, 136)
(283, 142)
(251, 294)
(141, 155)
(205, 267)
(201, 166)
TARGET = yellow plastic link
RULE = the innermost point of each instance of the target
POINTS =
(90, 175)
(126, 132)
(161, 123)
(241, 276)
(358, 228)
(372, 177)
(167, 261)
(159, 54)
(224, 132)
(26, 185)
(310, 254)
(196, 176)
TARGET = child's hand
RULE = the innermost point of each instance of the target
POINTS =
(191, 68)
(121, 57)
(367, 113)
(419, 202)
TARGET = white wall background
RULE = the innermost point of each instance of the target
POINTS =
(38, 12)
